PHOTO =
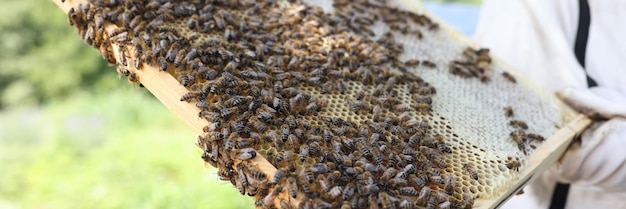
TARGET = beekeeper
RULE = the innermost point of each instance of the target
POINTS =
(576, 48)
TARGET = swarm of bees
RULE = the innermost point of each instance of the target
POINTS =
(524, 139)
(475, 64)
(270, 76)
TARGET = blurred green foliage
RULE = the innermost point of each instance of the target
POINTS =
(122, 150)
(43, 58)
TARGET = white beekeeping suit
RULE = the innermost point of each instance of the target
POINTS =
(537, 37)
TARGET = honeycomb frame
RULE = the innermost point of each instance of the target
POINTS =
(168, 90)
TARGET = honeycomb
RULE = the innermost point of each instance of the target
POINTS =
(357, 104)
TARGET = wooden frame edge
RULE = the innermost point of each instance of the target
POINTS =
(544, 156)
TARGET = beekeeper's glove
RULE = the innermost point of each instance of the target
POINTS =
(595, 102)
(598, 159)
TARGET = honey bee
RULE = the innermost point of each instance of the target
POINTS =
(389, 173)
(267, 200)
(342, 87)
(368, 189)
(314, 148)
(135, 22)
(226, 112)
(471, 170)
(122, 56)
(385, 200)
(440, 162)
(513, 164)
(429, 64)
(441, 145)
(509, 77)
(384, 148)
(356, 105)
(73, 16)
(170, 55)
(485, 78)
(408, 191)
(265, 116)
(377, 157)
(430, 152)
(450, 184)
(363, 149)
(535, 137)
(313, 106)
(259, 203)
(256, 174)
(325, 186)
(436, 178)
(257, 124)
(307, 190)
(292, 187)
(416, 180)
(116, 32)
(319, 203)
(244, 154)
(402, 107)
(219, 20)
(348, 191)
(179, 57)
(413, 140)
(304, 152)
(122, 70)
(292, 122)
(279, 175)
(162, 63)
(295, 101)
(284, 156)
(192, 23)
(285, 205)
(242, 182)
(483, 55)
(132, 78)
(520, 139)
(284, 132)
(508, 111)
(412, 63)
(230, 144)
(335, 191)
(423, 107)
(224, 174)
(252, 190)
(308, 175)
(186, 80)
(146, 56)
(319, 168)
(214, 151)
(423, 99)
(445, 204)
(397, 182)
(425, 194)
(518, 124)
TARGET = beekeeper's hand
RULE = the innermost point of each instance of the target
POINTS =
(599, 158)
(595, 102)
